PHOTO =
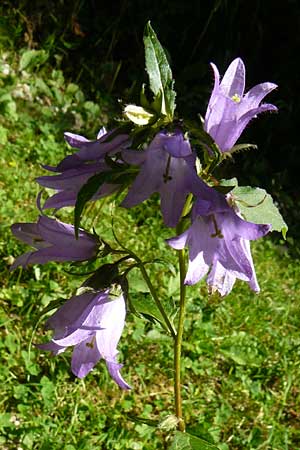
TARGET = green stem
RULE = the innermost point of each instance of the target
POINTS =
(179, 335)
(149, 284)
(178, 343)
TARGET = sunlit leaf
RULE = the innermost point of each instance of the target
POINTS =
(159, 72)
(257, 206)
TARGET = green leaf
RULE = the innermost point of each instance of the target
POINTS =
(33, 58)
(185, 441)
(232, 182)
(143, 303)
(243, 349)
(159, 72)
(257, 206)
(226, 186)
(3, 135)
(87, 191)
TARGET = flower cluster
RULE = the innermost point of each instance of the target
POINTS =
(218, 237)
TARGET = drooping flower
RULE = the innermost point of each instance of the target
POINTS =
(91, 150)
(229, 110)
(93, 323)
(219, 242)
(69, 182)
(75, 170)
(167, 166)
(53, 241)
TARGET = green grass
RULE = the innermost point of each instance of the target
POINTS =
(241, 372)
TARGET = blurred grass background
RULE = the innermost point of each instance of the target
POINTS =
(62, 67)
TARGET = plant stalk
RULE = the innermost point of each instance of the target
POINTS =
(178, 343)
(179, 335)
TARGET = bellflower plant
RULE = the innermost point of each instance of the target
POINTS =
(229, 111)
(150, 151)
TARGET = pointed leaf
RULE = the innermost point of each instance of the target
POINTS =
(257, 206)
(159, 72)
(185, 441)
(205, 140)
(145, 305)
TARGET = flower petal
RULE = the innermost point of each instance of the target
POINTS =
(51, 347)
(233, 82)
(256, 94)
(221, 279)
(85, 357)
(28, 233)
(179, 242)
(243, 122)
(72, 177)
(197, 269)
(73, 313)
(111, 320)
(91, 150)
(175, 144)
(114, 371)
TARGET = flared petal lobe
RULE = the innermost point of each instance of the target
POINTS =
(233, 82)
